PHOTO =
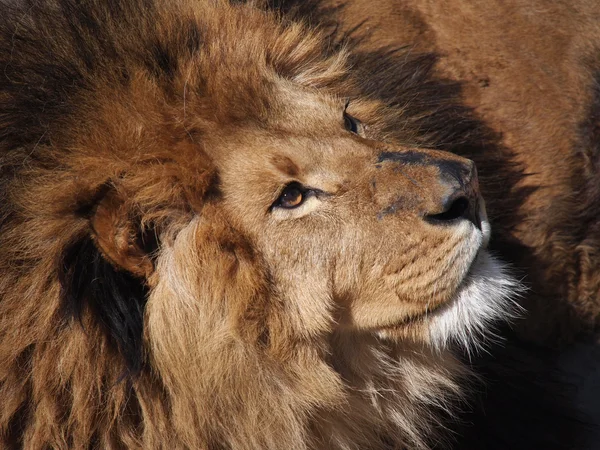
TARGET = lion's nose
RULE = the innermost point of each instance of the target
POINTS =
(462, 200)
(439, 187)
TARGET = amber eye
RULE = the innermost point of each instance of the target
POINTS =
(292, 196)
(353, 125)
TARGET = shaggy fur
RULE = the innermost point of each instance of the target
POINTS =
(154, 292)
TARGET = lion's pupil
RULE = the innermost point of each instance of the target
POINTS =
(291, 197)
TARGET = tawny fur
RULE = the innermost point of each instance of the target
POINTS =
(146, 142)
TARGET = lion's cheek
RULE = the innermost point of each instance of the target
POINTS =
(390, 280)
(207, 285)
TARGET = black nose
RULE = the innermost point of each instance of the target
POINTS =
(462, 203)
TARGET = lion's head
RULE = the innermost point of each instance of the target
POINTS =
(215, 236)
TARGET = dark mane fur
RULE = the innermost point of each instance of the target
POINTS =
(116, 298)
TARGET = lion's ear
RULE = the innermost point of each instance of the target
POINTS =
(122, 238)
(106, 273)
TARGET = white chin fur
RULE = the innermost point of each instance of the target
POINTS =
(486, 296)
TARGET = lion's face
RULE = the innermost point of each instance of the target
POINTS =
(350, 232)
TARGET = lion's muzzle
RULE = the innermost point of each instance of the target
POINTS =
(440, 187)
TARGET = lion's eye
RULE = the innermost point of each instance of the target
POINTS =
(292, 196)
(352, 124)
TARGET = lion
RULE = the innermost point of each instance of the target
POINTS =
(221, 228)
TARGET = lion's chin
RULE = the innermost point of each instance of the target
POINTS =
(484, 297)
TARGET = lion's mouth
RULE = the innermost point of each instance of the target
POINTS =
(436, 308)
(476, 242)
(483, 297)
(420, 317)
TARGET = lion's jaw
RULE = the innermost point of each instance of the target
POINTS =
(485, 296)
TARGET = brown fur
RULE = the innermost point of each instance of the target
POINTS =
(151, 296)
(531, 71)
